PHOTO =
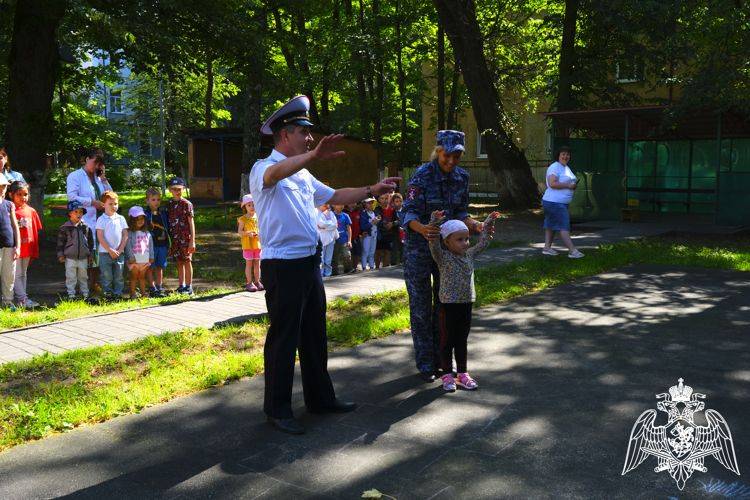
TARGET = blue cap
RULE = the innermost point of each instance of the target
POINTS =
(176, 181)
(450, 140)
(294, 112)
(75, 205)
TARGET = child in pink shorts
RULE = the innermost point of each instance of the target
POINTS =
(247, 229)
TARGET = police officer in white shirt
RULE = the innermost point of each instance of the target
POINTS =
(286, 199)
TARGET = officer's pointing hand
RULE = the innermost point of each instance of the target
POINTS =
(387, 185)
(326, 148)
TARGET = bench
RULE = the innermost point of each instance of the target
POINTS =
(58, 210)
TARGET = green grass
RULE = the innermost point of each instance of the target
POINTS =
(70, 309)
(53, 393)
(507, 244)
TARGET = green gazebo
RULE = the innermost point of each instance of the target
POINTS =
(697, 164)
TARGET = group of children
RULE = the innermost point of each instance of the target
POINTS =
(20, 226)
(364, 236)
(142, 242)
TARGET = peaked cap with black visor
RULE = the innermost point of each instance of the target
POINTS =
(294, 112)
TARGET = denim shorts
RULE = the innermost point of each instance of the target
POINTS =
(556, 216)
(160, 256)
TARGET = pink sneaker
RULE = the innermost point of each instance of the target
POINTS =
(465, 381)
(251, 288)
(259, 286)
(449, 383)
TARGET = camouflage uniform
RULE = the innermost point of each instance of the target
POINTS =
(429, 189)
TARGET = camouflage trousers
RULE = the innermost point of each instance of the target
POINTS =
(422, 284)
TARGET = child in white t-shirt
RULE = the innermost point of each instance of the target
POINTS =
(112, 235)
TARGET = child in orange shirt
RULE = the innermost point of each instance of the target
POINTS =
(247, 229)
(29, 225)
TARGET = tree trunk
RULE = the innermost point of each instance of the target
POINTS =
(309, 88)
(34, 68)
(440, 77)
(281, 37)
(377, 123)
(359, 63)
(567, 57)
(453, 103)
(517, 188)
(254, 72)
(209, 91)
(401, 89)
(170, 160)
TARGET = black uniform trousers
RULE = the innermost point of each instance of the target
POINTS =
(296, 302)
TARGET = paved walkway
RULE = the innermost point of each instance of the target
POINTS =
(130, 325)
(563, 374)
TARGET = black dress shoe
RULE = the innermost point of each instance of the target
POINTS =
(428, 377)
(336, 407)
(288, 425)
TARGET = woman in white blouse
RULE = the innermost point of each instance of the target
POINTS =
(561, 183)
(86, 186)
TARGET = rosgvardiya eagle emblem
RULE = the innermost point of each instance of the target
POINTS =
(680, 446)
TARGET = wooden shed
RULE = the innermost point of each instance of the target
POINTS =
(215, 167)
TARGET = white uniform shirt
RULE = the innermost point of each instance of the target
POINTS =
(287, 213)
(564, 174)
(79, 188)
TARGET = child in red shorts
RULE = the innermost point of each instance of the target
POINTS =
(247, 229)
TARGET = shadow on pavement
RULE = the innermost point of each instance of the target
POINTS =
(563, 376)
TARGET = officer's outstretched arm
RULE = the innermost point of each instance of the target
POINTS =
(325, 150)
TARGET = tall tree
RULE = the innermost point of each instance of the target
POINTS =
(440, 77)
(567, 56)
(517, 188)
(33, 68)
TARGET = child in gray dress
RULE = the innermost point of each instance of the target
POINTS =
(455, 260)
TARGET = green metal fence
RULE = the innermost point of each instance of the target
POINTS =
(734, 183)
(674, 176)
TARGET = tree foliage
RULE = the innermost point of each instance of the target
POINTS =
(366, 64)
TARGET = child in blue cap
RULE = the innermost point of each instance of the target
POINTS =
(75, 249)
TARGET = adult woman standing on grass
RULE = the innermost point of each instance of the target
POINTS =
(86, 186)
(561, 183)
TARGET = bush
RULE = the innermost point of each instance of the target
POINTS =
(56, 180)
(144, 173)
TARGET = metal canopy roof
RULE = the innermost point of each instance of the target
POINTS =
(649, 123)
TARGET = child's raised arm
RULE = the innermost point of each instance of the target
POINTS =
(436, 218)
(485, 236)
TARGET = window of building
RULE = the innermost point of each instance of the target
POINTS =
(629, 70)
(115, 101)
(481, 145)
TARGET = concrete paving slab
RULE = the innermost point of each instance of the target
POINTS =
(563, 376)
